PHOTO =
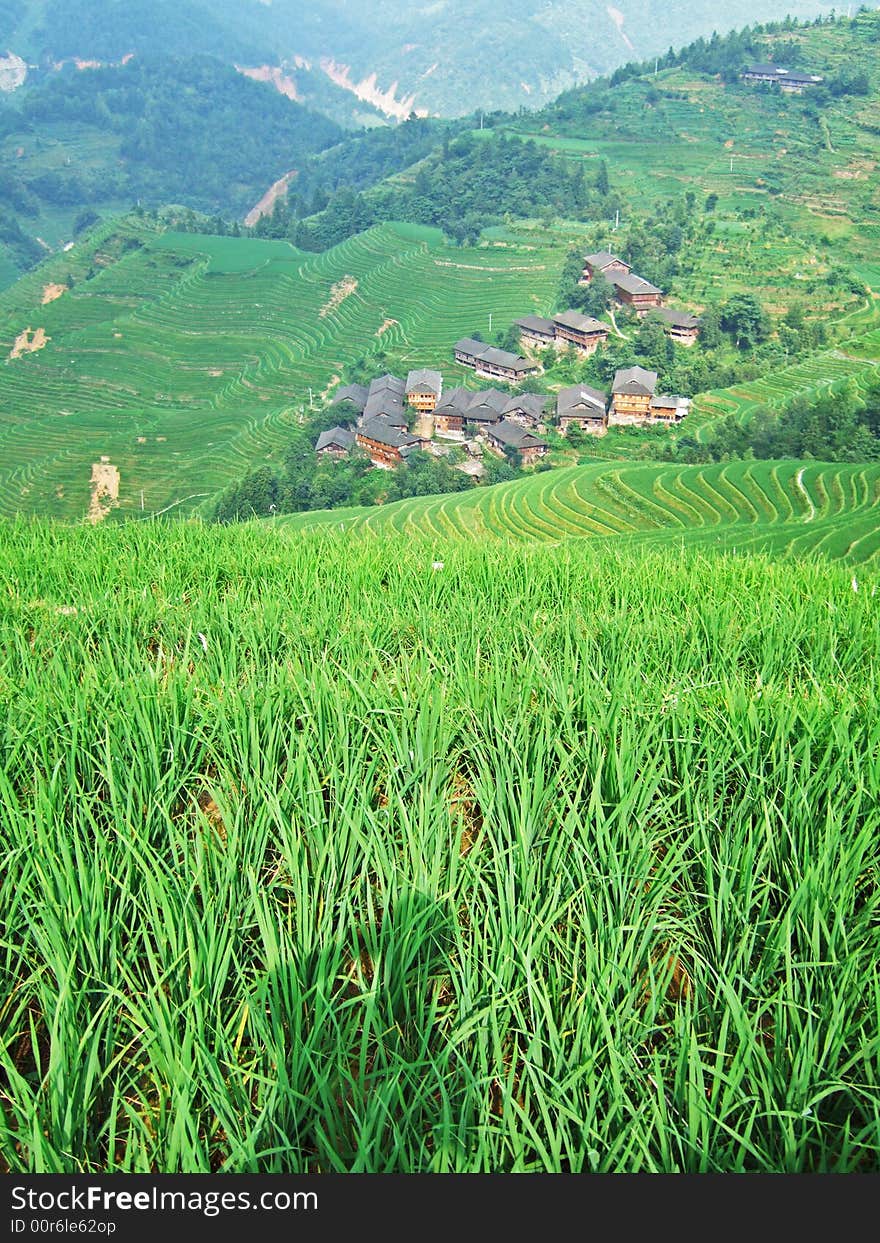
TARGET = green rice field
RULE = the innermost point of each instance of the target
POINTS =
(333, 853)
(804, 508)
(187, 359)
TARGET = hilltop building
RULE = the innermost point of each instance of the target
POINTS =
(582, 407)
(787, 81)
(492, 363)
(584, 332)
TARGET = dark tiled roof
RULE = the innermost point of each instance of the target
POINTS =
(449, 411)
(635, 380)
(677, 319)
(492, 397)
(384, 433)
(387, 404)
(482, 412)
(467, 345)
(424, 382)
(527, 403)
(580, 323)
(782, 75)
(459, 399)
(601, 259)
(493, 357)
(631, 283)
(581, 400)
(355, 394)
(505, 360)
(535, 323)
(338, 437)
(515, 436)
(388, 384)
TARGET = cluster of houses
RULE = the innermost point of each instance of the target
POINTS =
(573, 330)
(787, 81)
(393, 417)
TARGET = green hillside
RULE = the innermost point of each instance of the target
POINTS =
(319, 858)
(779, 507)
(186, 359)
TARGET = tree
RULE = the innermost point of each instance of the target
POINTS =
(746, 320)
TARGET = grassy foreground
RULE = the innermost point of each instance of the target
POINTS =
(316, 857)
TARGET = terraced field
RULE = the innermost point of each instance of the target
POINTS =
(780, 507)
(187, 360)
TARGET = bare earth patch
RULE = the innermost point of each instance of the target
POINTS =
(27, 344)
(105, 490)
(341, 290)
(274, 74)
(215, 371)
(334, 380)
(383, 328)
(266, 205)
(51, 292)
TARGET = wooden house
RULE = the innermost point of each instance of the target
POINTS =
(336, 443)
(386, 445)
(352, 397)
(681, 326)
(536, 331)
(423, 390)
(487, 407)
(669, 408)
(527, 409)
(631, 395)
(583, 332)
(386, 398)
(449, 421)
(634, 291)
(788, 82)
(507, 435)
(582, 407)
(603, 263)
(492, 363)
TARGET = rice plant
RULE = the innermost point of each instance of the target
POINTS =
(320, 857)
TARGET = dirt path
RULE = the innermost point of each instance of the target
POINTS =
(105, 490)
(27, 344)
(383, 328)
(622, 335)
(266, 205)
(341, 290)
(799, 483)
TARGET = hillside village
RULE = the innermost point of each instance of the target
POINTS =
(391, 418)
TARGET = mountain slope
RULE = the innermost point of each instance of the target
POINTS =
(446, 57)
